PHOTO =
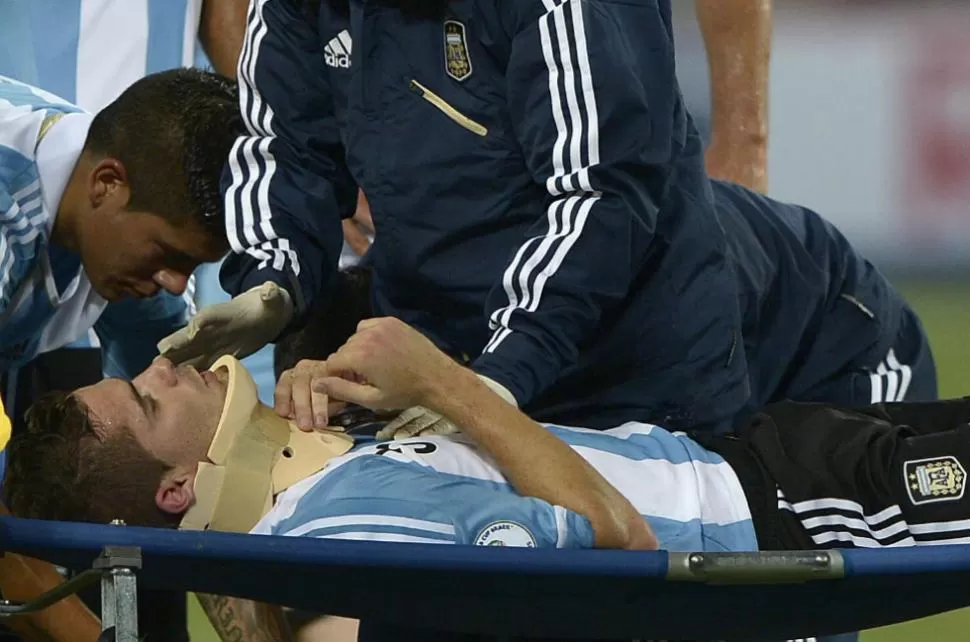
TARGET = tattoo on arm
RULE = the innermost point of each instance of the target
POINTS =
(237, 620)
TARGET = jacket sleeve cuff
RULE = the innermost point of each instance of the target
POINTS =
(518, 366)
(287, 281)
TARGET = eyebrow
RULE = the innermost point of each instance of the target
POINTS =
(146, 405)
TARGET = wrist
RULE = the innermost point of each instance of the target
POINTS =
(450, 386)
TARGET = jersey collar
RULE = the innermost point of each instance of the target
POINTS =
(57, 155)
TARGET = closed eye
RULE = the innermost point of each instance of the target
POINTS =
(147, 403)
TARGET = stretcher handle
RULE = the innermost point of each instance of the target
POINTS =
(767, 567)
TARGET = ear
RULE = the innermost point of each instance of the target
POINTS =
(108, 184)
(176, 492)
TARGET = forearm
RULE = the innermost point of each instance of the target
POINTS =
(579, 258)
(238, 620)
(283, 213)
(536, 463)
(737, 35)
(221, 32)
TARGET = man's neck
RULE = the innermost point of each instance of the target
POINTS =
(255, 454)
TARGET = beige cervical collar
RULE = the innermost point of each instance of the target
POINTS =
(255, 454)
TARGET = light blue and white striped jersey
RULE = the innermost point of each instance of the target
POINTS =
(92, 52)
(89, 51)
(46, 300)
(445, 490)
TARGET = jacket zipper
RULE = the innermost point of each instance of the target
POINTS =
(448, 110)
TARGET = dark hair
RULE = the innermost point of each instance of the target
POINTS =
(63, 468)
(331, 321)
(173, 132)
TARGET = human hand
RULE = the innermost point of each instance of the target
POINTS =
(238, 327)
(297, 400)
(387, 364)
(420, 421)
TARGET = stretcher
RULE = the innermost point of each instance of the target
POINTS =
(585, 594)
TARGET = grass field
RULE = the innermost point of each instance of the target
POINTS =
(945, 310)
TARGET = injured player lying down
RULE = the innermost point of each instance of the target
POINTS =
(182, 448)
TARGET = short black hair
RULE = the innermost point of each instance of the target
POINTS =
(63, 468)
(173, 132)
(329, 323)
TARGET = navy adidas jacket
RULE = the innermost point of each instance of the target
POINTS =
(536, 183)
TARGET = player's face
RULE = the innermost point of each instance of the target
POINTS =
(125, 253)
(172, 412)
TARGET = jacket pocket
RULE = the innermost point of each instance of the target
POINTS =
(449, 111)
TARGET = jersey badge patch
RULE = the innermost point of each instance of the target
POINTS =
(940, 479)
(505, 534)
(458, 64)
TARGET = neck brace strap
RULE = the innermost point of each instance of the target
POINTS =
(254, 455)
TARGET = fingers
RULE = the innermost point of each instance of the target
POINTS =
(410, 423)
(424, 424)
(345, 361)
(352, 391)
(299, 398)
(302, 404)
(179, 339)
(192, 345)
(283, 395)
(396, 424)
(385, 433)
(319, 405)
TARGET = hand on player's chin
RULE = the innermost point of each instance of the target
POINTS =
(386, 365)
(298, 399)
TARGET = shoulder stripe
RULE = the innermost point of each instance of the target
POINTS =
(373, 520)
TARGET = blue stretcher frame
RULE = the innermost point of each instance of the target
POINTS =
(586, 594)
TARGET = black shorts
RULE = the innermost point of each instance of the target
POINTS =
(819, 476)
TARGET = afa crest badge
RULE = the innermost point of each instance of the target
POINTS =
(940, 479)
(505, 534)
(458, 63)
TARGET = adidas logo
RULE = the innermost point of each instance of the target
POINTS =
(337, 52)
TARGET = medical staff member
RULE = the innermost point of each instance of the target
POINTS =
(538, 191)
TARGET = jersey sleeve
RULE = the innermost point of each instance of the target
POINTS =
(130, 329)
(22, 230)
(589, 92)
(498, 517)
(286, 186)
(379, 499)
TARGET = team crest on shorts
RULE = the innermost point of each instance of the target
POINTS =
(505, 534)
(458, 64)
(940, 479)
